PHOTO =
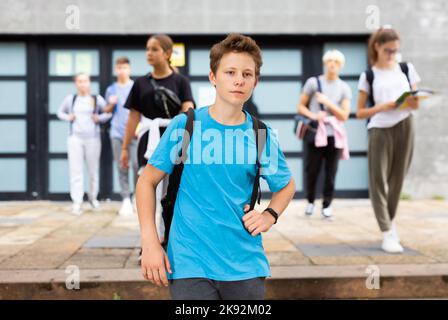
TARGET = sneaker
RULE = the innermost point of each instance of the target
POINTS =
(126, 208)
(309, 209)
(327, 213)
(76, 209)
(95, 204)
(390, 243)
(393, 229)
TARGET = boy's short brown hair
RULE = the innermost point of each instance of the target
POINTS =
(122, 60)
(235, 43)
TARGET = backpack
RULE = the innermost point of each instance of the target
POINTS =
(370, 77)
(169, 200)
(95, 108)
(305, 128)
(166, 101)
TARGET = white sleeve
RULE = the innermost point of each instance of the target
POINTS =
(413, 75)
(64, 109)
(101, 103)
(363, 85)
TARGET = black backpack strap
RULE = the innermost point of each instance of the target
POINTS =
(187, 136)
(94, 104)
(369, 77)
(405, 69)
(73, 103)
(152, 81)
(175, 177)
(319, 89)
(260, 131)
(72, 106)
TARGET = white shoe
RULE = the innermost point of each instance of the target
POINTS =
(76, 209)
(95, 204)
(126, 208)
(390, 243)
(393, 229)
(309, 209)
(327, 213)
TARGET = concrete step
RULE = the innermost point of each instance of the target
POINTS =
(287, 282)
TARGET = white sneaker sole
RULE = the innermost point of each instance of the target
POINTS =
(392, 251)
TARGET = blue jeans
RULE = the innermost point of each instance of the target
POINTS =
(208, 289)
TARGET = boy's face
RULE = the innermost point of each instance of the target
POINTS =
(123, 70)
(332, 66)
(235, 78)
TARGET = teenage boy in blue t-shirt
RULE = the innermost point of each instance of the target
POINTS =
(116, 95)
(215, 248)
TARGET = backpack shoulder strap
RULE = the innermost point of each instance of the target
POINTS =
(260, 131)
(176, 175)
(319, 89)
(369, 77)
(405, 69)
(94, 103)
(319, 84)
(72, 106)
(188, 133)
(73, 103)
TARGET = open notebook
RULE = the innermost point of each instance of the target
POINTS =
(420, 94)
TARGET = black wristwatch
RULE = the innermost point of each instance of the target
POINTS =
(273, 213)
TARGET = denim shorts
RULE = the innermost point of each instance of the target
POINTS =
(208, 289)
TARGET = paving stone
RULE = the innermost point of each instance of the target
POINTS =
(129, 241)
(14, 221)
(287, 258)
(90, 258)
(52, 250)
(44, 236)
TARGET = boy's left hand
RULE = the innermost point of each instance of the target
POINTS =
(95, 118)
(256, 222)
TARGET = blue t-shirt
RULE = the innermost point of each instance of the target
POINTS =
(207, 236)
(120, 114)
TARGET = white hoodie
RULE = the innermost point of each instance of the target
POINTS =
(83, 109)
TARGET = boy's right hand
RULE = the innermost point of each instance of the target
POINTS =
(71, 117)
(154, 264)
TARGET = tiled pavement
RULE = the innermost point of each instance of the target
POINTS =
(44, 235)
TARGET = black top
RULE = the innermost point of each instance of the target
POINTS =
(141, 97)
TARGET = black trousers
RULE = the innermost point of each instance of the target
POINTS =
(314, 159)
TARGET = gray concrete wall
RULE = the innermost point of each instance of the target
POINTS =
(422, 24)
